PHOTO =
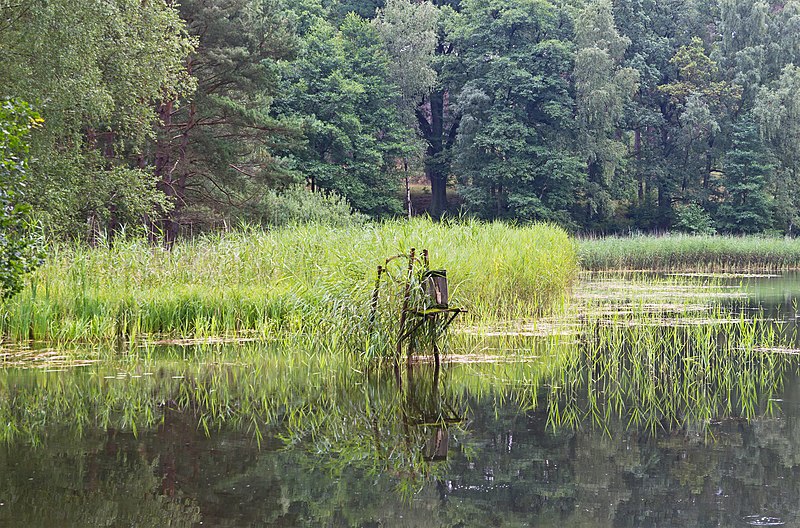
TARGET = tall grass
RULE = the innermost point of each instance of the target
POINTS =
(689, 253)
(631, 371)
(310, 278)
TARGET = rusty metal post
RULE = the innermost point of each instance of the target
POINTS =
(406, 300)
(374, 304)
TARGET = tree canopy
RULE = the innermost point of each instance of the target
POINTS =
(599, 115)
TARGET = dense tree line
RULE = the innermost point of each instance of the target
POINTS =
(599, 115)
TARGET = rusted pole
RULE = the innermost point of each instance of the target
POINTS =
(406, 300)
(374, 304)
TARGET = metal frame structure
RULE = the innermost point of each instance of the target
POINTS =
(434, 309)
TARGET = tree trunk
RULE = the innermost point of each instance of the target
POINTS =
(594, 172)
(408, 187)
(707, 174)
(438, 193)
(500, 201)
(436, 164)
(170, 157)
(440, 140)
(637, 151)
(664, 203)
(164, 166)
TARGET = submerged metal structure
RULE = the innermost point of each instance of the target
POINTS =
(425, 305)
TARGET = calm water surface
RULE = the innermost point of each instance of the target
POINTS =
(535, 443)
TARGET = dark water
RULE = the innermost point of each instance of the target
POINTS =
(508, 469)
(449, 453)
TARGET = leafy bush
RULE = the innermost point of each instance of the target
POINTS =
(19, 250)
(694, 219)
(296, 205)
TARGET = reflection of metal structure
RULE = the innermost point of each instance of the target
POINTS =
(426, 415)
(425, 303)
(437, 446)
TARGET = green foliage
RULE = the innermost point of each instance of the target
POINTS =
(513, 156)
(94, 199)
(95, 71)
(215, 151)
(20, 248)
(297, 205)
(340, 90)
(409, 32)
(693, 219)
(746, 207)
(602, 90)
(778, 108)
(303, 280)
(339, 9)
(601, 116)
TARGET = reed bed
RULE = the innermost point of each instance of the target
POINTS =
(690, 253)
(677, 378)
(642, 376)
(620, 365)
(261, 283)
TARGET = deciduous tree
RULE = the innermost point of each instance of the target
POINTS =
(96, 71)
(340, 90)
(19, 251)
(516, 156)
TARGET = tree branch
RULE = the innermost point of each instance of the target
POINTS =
(451, 136)
(424, 125)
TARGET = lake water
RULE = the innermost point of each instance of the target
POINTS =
(686, 413)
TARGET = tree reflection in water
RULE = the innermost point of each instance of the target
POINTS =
(621, 425)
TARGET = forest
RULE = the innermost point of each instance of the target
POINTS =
(600, 116)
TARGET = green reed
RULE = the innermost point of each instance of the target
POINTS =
(690, 253)
(650, 353)
(647, 376)
(672, 377)
(301, 279)
(624, 363)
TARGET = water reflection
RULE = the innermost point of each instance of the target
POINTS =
(503, 468)
(620, 422)
(401, 428)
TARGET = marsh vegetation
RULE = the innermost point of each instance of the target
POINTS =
(643, 385)
(245, 366)
(305, 279)
(690, 253)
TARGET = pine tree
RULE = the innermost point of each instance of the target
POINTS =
(747, 206)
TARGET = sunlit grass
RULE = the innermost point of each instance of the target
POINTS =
(690, 253)
(306, 279)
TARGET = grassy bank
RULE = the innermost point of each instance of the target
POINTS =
(689, 253)
(268, 283)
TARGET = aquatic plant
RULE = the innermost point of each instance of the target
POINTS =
(689, 253)
(645, 353)
(310, 278)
